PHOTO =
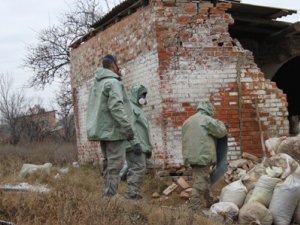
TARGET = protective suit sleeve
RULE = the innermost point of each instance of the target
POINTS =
(216, 128)
(115, 104)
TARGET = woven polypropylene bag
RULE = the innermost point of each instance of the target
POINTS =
(255, 213)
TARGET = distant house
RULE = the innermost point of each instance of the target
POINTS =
(48, 118)
(37, 124)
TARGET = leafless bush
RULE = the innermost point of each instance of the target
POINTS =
(12, 106)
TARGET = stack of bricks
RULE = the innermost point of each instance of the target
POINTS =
(182, 51)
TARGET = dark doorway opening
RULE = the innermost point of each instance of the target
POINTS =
(287, 79)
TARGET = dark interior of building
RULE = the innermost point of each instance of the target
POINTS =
(258, 26)
(287, 79)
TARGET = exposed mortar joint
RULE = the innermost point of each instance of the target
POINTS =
(198, 6)
(240, 64)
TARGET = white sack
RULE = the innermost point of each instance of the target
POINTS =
(263, 190)
(274, 171)
(235, 192)
(285, 199)
(273, 143)
(255, 213)
(248, 196)
(296, 173)
(224, 212)
(30, 168)
(286, 162)
(250, 179)
(290, 146)
(297, 214)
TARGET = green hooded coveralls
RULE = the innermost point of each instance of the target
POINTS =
(137, 163)
(109, 115)
(199, 135)
(140, 121)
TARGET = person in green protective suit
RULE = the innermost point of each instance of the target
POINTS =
(136, 157)
(200, 133)
(109, 120)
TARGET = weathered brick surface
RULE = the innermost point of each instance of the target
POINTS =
(183, 54)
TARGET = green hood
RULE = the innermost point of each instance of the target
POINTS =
(103, 73)
(140, 125)
(206, 108)
(136, 92)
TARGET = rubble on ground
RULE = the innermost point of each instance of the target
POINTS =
(31, 168)
(2, 222)
(24, 187)
(240, 167)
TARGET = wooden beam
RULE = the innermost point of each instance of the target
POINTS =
(258, 20)
(250, 29)
(279, 13)
(289, 31)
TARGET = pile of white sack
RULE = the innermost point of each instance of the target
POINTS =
(267, 194)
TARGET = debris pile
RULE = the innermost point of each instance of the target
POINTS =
(266, 192)
(174, 179)
(237, 169)
(259, 191)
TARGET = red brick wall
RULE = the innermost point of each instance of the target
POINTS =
(183, 54)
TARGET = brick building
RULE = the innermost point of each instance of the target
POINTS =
(185, 51)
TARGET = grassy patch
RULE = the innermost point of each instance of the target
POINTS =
(75, 197)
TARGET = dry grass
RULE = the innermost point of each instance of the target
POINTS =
(75, 198)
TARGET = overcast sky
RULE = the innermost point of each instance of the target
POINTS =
(21, 20)
(20, 23)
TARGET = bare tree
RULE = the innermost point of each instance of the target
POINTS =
(12, 106)
(65, 112)
(50, 59)
(107, 4)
